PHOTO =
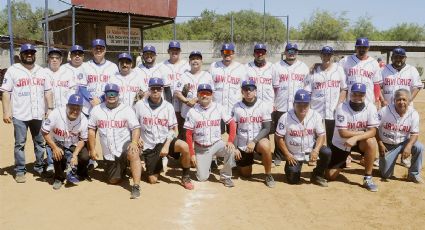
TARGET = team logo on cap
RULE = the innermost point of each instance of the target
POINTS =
(77, 98)
(28, 46)
(359, 86)
(174, 43)
(226, 46)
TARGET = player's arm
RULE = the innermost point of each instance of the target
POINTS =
(7, 109)
(77, 150)
(57, 152)
(92, 143)
(232, 134)
(282, 146)
(415, 92)
(369, 133)
(381, 147)
(171, 135)
(48, 96)
(342, 95)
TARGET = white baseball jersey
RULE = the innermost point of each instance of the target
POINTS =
(287, 80)
(147, 73)
(96, 77)
(27, 88)
(114, 128)
(346, 118)
(155, 123)
(202, 77)
(63, 85)
(206, 123)
(263, 77)
(63, 130)
(300, 137)
(249, 121)
(129, 85)
(392, 80)
(78, 73)
(171, 73)
(325, 88)
(394, 129)
(362, 71)
(227, 83)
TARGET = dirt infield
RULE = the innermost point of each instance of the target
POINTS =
(249, 205)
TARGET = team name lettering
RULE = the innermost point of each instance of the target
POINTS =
(294, 77)
(62, 84)
(357, 125)
(397, 81)
(227, 79)
(359, 72)
(30, 81)
(208, 123)
(112, 124)
(261, 80)
(63, 133)
(395, 127)
(95, 78)
(155, 121)
(174, 77)
(243, 120)
(129, 88)
(327, 84)
(301, 133)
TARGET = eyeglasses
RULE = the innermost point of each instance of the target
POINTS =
(156, 88)
(262, 52)
(204, 93)
(249, 88)
(228, 52)
(78, 53)
(111, 94)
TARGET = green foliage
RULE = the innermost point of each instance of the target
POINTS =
(406, 32)
(322, 25)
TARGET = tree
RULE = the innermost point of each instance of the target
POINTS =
(364, 27)
(322, 25)
(405, 32)
(26, 23)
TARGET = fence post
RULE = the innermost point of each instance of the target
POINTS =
(9, 18)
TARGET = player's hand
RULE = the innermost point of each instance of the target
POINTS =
(95, 101)
(350, 142)
(7, 118)
(192, 102)
(407, 152)
(314, 155)
(238, 155)
(74, 160)
(291, 160)
(140, 143)
(193, 161)
(133, 148)
(164, 151)
(93, 154)
(57, 153)
(230, 146)
(250, 147)
(315, 65)
(382, 149)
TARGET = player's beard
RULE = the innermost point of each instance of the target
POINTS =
(357, 106)
(26, 62)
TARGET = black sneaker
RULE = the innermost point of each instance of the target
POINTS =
(214, 164)
(135, 191)
(318, 180)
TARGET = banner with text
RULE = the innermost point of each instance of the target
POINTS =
(118, 36)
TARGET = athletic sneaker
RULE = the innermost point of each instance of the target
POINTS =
(135, 191)
(92, 165)
(214, 164)
(187, 183)
(376, 163)
(414, 179)
(277, 162)
(369, 184)
(50, 169)
(270, 181)
(57, 184)
(165, 164)
(72, 178)
(227, 182)
(20, 178)
(318, 180)
(348, 161)
(406, 162)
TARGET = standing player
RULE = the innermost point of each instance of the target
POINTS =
(361, 68)
(399, 75)
(288, 77)
(158, 131)
(327, 83)
(398, 134)
(76, 63)
(300, 137)
(65, 131)
(119, 132)
(261, 72)
(253, 122)
(186, 87)
(203, 128)
(27, 88)
(148, 67)
(355, 129)
(130, 83)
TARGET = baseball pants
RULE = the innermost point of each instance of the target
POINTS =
(204, 156)
(61, 165)
(278, 155)
(329, 127)
(20, 132)
(387, 162)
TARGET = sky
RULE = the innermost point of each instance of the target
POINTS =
(384, 13)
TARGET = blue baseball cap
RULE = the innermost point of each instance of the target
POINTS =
(399, 51)
(195, 53)
(76, 48)
(291, 46)
(156, 81)
(302, 96)
(54, 50)
(75, 99)
(174, 44)
(248, 83)
(260, 46)
(228, 46)
(112, 87)
(125, 56)
(98, 42)
(204, 87)
(362, 42)
(327, 50)
(149, 48)
(26, 47)
(358, 87)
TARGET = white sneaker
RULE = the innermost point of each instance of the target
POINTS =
(50, 169)
(407, 162)
(376, 163)
(92, 165)
(164, 164)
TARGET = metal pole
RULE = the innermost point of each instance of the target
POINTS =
(287, 29)
(46, 16)
(174, 30)
(231, 28)
(264, 20)
(129, 33)
(9, 18)
(73, 25)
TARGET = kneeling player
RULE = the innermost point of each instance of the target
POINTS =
(65, 132)
(253, 122)
(158, 131)
(203, 126)
(296, 134)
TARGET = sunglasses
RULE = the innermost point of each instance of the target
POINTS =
(249, 88)
(156, 88)
(79, 53)
(228, 52)
(28, 52)
(292, 51)
(111, 94)
(204, 93)
(260, 52)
